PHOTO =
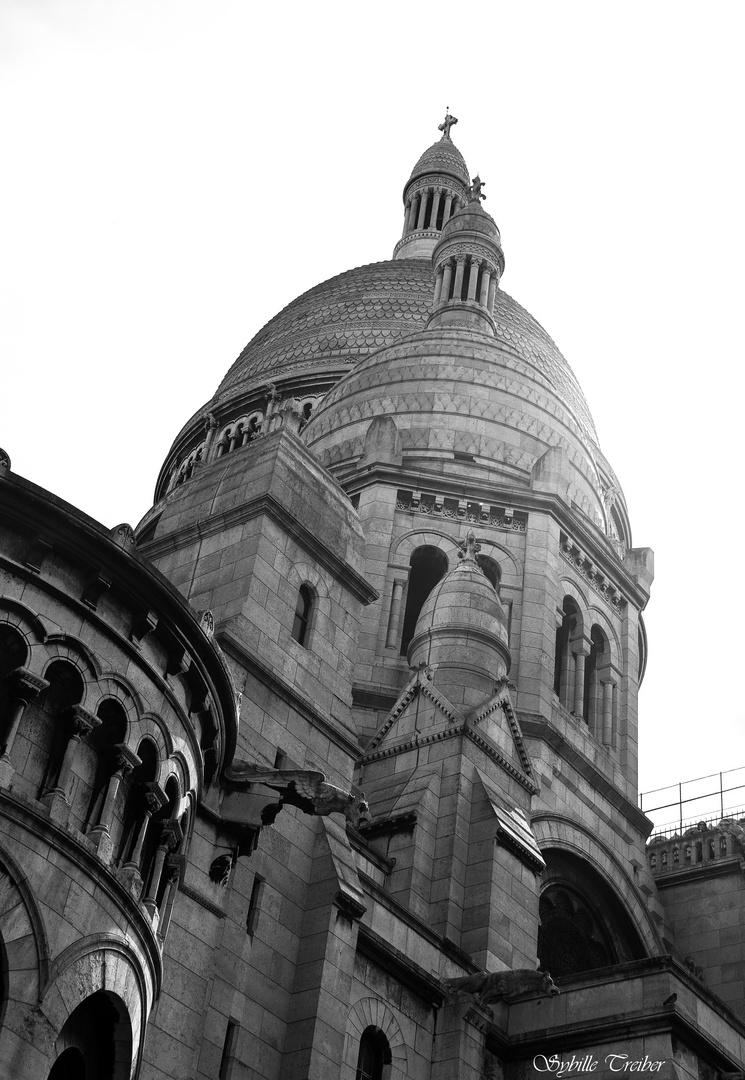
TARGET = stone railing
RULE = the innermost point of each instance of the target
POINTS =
(702, 844)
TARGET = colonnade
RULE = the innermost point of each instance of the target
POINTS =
(428, 206)
(466, 277)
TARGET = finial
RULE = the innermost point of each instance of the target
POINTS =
(474, 192)
(469, 547)
(448, 122)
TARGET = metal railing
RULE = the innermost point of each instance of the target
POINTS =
(707, 798)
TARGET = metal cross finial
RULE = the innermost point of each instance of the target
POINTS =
(448, 122)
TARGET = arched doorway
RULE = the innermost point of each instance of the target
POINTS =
(95, 1042)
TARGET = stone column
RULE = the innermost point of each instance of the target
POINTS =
(446, 279)
(100, 834)
(446, 211)
(579, 682)
(394, 617)
(56, 797)
(210, 431)
(460, 264)
(407, 213)
(170, 838)
(485, 286)
(436, 196)
(25, 687)
(608, 691)
(422, 209)
(154, 798)
(492, 292)
(473, 277)
(174, 871)
(438, 285)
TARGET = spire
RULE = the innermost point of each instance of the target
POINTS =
(437, 187)
(468, 263)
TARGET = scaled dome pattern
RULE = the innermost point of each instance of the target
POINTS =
(345, 319)
(442, 156)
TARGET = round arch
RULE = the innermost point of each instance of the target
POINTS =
(556, 833)
(404, 546)
(372, 1012)
(109, 965)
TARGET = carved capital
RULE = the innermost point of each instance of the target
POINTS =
(155, 797)
(26, 685)
(126, 759)
(124, 535)
(81, 721)
(171, 834)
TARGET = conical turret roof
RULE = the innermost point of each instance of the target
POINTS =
(442, 156)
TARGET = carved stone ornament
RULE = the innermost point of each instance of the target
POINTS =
(207, 622)
(469, 548)
(307, 790)
(220, 869)
(4, 459)
(475, 194)
(124, 534)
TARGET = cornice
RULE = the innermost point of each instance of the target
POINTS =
(534, 726)
(400, 966)
(268, 505)
(523, 499)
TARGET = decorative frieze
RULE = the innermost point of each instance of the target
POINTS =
(592, 573)
(499, 517)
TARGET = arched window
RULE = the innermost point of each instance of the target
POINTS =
(593, 702)
(584, 925)
(563, 666)
(136, 786)
(66, 688)
(98, 761)
(13, 653)
(374, 1055)
(428, 565)
(491, 569)
(303, 611)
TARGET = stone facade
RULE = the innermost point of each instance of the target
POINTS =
(353, 713)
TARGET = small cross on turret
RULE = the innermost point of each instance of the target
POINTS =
(469, 547)
(448, 122)
(475, 193)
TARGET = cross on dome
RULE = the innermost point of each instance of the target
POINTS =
(447, 123)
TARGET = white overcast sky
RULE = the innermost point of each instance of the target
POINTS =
(176, 171)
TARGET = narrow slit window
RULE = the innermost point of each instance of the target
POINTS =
(254, 905)
(302, 615)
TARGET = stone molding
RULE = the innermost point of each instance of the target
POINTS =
(573, 554)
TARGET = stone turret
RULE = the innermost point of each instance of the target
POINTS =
(461, 632)
(468, 263)
(437, 187)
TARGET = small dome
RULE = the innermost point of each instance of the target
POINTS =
(471, 218)
(463, 627)
(442, 157)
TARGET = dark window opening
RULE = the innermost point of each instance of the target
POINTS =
(428, 566)
(302, 614)
(374, 1054)
(491, 569)
(254, 905)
